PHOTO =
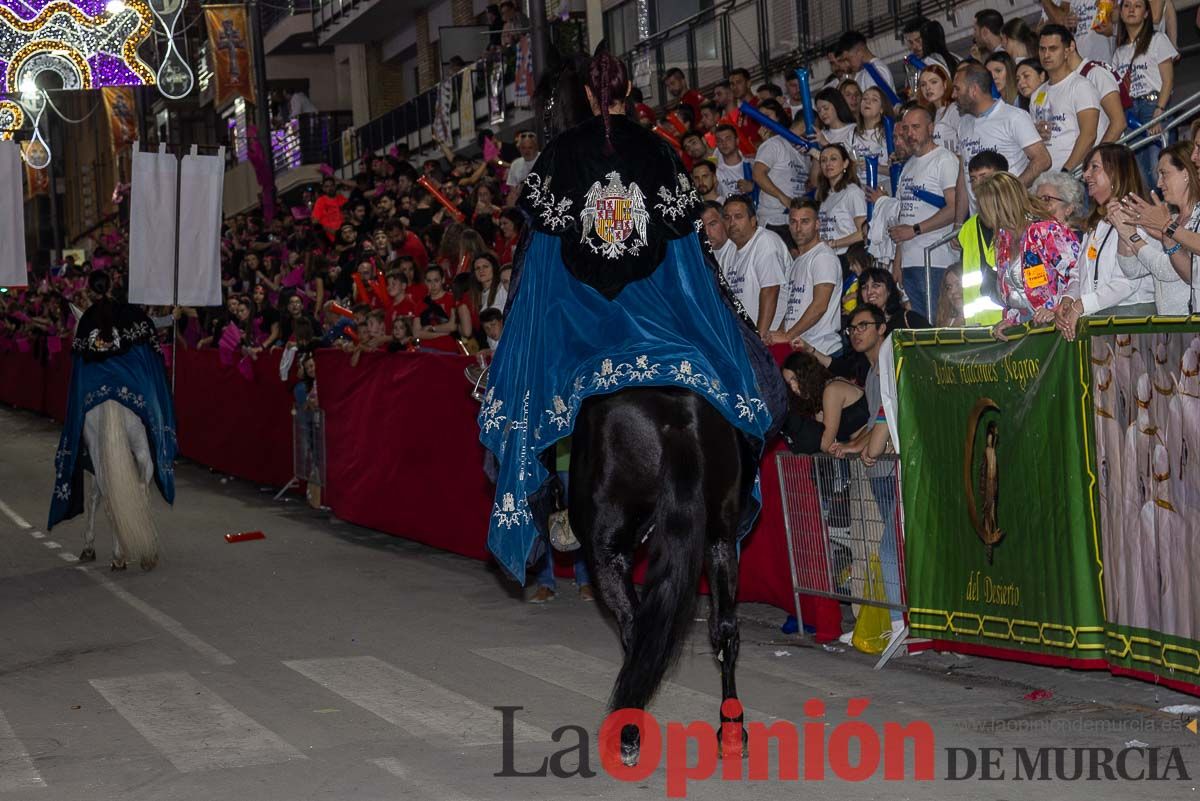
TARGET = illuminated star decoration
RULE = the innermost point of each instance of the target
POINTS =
(79, 40)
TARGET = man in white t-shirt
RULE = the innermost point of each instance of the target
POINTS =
(1102, 76)
(731, 171)
(755, 268)
(926, 191)
(518, 171)
(812, 308)
(1065, 109)
(781, 174)
(991, 124)
(704, 178)
(853, 48)
(1095, 42)
(712, 220)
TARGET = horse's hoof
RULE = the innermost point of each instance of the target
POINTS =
(118, 565)
(630, 755)
(149, 563)
(87, 555)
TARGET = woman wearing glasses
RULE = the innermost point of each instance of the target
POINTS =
(1110, 173)
(1035, 253)
(1063, 196)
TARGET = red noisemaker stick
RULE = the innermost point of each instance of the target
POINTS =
(243, 536)
(673, 118)
(464, 263)
(672, 141)
(339, 310)
(440, 198)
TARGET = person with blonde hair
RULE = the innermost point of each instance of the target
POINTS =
(1035, 253)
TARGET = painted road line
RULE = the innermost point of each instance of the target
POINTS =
(16, 766)
(424, 789)
(415, 704)
(166, 622)
(13, 516)
(593, 678)
(51, 544)
(68, 557)
(190, 725)
(37, 535)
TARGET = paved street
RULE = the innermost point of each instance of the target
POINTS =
(333, 662)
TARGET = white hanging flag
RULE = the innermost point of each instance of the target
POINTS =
(13, 270)
(152, 228)
(201, 182)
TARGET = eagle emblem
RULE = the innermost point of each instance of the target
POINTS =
(616, 215)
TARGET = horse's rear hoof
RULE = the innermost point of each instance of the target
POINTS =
(149, 563)
(118, 564)
(87, 555)
(631, 746)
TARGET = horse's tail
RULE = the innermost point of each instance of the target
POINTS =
(125, 488)
(677, 547)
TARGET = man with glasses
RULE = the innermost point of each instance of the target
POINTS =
(518, 171)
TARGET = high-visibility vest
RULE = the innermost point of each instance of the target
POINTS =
(977, 255)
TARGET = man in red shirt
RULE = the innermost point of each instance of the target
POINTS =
(327, 211)
(401, 302)
(405, 243)
(677, 87)
(730, 95)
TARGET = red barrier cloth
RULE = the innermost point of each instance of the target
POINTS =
(23, 380)
(58, 385)
(235, 426)
(402, 448)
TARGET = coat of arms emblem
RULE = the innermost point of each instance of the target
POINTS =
(617, 215)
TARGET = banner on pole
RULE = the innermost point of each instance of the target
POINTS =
(441, 112)
(13, 271)
(152, 205)
(119, 105)
(495, 92)
(201, 181)
(229, 50)
(466, 105)
(1007, 557)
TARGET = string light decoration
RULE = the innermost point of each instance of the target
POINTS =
(12, 117)
(87, 43)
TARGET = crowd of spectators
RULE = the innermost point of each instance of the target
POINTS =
(415, 251)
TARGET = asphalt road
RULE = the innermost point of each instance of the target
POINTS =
(332, 662)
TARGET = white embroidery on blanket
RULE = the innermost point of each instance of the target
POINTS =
(676, 202)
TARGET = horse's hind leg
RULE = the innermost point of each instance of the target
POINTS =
(88, 554)
(723, 632)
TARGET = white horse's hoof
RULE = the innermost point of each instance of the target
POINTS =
(118, 564)
(87, 555)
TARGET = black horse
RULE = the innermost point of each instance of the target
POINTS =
(660, 466)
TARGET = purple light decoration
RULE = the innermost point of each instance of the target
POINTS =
(29, 9)
(109, 70)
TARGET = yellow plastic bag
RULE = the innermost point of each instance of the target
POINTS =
(873, 629)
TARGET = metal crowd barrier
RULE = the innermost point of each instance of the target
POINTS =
(308, 449)
(845, 532)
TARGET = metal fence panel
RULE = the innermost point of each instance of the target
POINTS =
(783, 30)
(744, 49)
(308, 446)
(710, 47)
(844, 525)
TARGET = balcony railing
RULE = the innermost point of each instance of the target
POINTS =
(327, 12)
(280, 10)
(763, 36)
(310, 139)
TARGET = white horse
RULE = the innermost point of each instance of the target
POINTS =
(123, 467)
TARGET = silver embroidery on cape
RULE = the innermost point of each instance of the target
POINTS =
(554, 211)
(676, 202)
(616, 215)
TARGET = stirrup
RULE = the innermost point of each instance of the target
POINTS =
(561, 536)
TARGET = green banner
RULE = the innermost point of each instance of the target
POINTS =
(1002, 525)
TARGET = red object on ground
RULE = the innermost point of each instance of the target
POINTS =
(1039, 695)
(243, 536)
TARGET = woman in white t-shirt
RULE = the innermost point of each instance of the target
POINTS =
(1030, 75)
(869, 137)
(937, 91)
(1146, 59)
(843, 202)
(835, 125)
